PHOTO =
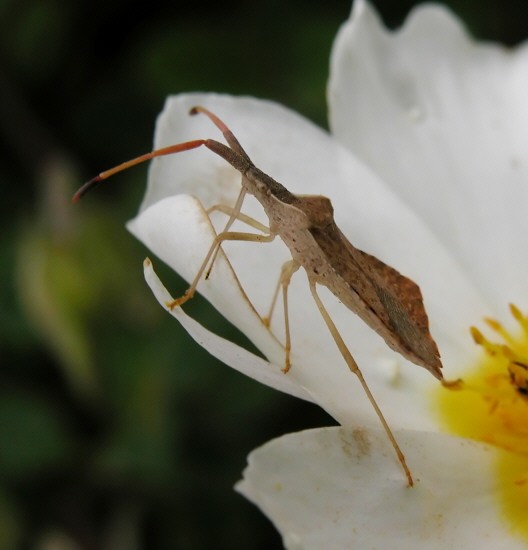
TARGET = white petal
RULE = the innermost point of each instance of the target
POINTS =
(334, 489)
(238, 358)
(176, 229)
(444, 121)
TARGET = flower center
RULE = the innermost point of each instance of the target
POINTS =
(492, 406)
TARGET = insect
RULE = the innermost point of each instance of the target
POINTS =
(385, 300)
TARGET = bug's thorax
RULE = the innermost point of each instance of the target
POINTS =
(292, 218)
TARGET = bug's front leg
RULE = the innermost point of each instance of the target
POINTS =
(234, 213)
(219, 239)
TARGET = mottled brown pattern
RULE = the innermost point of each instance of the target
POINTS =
(387, 301)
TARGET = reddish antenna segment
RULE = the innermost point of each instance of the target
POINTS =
(91, 184)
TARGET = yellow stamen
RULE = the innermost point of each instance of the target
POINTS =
(499, 329)
(522, 319)
(492, 406)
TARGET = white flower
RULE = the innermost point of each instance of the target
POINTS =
(426, 169)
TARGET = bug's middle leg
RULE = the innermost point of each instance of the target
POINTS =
(287, 271)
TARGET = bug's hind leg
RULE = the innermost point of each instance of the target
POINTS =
(352, 365)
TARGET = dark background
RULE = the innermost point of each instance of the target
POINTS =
(116, 430)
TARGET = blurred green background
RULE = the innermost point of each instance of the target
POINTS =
(116, 430)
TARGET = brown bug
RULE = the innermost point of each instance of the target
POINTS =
(385, 300)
